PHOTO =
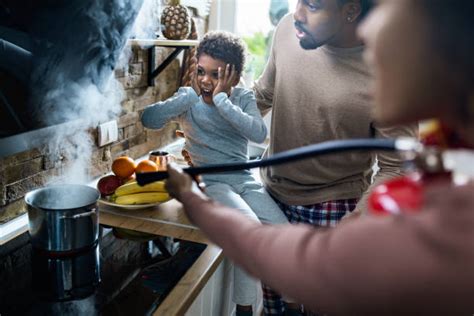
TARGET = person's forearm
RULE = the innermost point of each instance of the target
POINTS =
(264, 99)
(318, 268)
(277, 255)
(158, 114)
(208, 215)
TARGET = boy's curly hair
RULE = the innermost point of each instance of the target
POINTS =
(223, 46)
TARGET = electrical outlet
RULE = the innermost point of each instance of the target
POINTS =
(107, 133)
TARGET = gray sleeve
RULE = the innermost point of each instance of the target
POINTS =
(158, 114)
(247, 119)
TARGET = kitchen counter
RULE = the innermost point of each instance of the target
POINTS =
(168, 219)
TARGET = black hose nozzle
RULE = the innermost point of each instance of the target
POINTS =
(329, 147)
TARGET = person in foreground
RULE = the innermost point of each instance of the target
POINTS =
(419, 264)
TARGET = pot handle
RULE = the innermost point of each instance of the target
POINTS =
(90, 213)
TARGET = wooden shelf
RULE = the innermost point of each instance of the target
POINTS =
(153, 69)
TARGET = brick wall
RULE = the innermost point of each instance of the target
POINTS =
(36, 167)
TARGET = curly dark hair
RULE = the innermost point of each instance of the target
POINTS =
(223, 46)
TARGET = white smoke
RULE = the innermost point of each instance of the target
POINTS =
(74, 82)
(73, 151)
(83, 100)
(147, 25)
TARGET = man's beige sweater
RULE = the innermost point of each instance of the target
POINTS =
(316, 96)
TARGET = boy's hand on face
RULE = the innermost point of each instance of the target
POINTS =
(227, 78)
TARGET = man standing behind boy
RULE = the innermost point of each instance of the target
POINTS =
(316, 84)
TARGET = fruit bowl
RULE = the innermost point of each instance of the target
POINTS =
(131, 206)
(122, 191)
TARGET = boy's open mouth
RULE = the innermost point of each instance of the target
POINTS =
(206, 92)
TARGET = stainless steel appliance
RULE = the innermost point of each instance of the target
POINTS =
(70, 276)
(64, 231)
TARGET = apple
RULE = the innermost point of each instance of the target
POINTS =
(108, 184)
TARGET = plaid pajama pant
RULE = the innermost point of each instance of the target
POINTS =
(326, 214)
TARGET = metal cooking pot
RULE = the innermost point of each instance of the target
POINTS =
(65, 278)
(63, 218)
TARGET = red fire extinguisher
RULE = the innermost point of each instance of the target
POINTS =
(405, 195)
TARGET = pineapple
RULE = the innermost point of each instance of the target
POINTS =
(176, 21)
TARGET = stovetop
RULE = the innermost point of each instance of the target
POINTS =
(135, 287)
(150, 285)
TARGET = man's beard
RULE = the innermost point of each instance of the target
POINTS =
(308, 42)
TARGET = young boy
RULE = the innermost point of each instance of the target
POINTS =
(218, 120)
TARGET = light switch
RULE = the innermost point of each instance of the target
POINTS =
(107, 133)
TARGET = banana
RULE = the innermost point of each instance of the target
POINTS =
(131, 180)
(142, 198)
(133, 187)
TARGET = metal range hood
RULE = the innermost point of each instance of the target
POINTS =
(71, 42)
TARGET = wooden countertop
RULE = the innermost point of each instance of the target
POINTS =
(168, 219)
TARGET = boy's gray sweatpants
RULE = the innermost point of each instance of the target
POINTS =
(242, 192)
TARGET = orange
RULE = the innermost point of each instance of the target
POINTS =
(124, 167)
(146, 166)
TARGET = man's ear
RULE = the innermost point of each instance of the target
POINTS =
(351, 11)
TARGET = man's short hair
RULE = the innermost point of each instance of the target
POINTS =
(366, 5)
(223, 46)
